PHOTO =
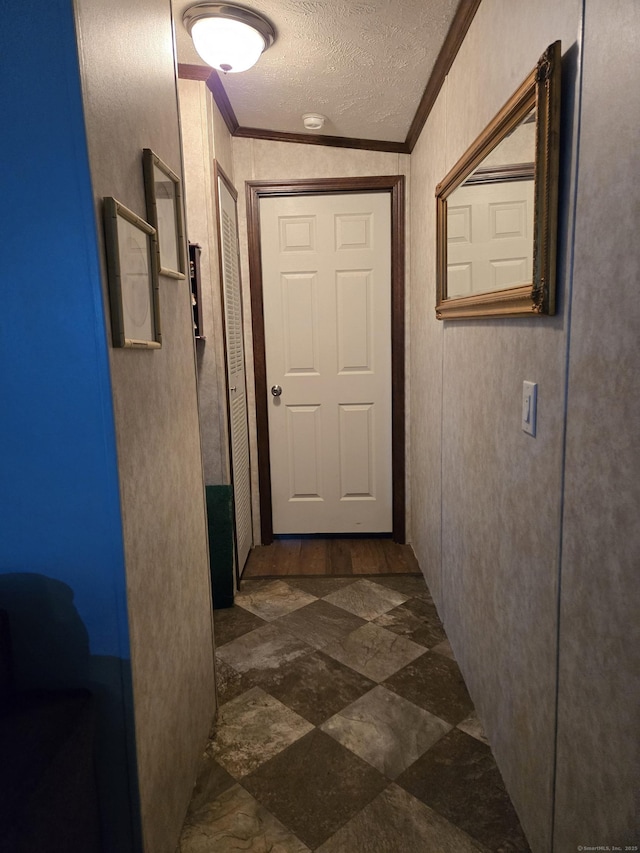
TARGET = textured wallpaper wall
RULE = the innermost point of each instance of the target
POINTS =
(198, 133)
(130, 98)
(518, 526)
(487, 497)
(599, 678)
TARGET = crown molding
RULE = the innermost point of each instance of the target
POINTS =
(463, 17)
(322, 139)
(194, 72)
(465, 14)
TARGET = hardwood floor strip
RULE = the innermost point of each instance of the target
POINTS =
(314, 557)
(400, 558)
(340, 557)
(259, 563)
(287, 556)
(368, 557)
(310, 557)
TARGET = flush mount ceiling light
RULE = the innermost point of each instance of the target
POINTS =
(228, 37)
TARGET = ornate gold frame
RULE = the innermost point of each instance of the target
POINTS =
(541, 90)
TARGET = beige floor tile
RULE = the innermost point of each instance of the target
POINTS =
(253, 728)
(268, 647)
(271, 599)
(366, 599)
(236, 821)
(386, 730)
(374, 652)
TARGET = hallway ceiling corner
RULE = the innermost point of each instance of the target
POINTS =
(367, 65)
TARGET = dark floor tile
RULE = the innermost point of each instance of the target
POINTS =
(315, 786)
(320, 586)
(395, 822)
(410, 585)
(425, 610)
(402, 621)
(320, 623)
(444, 648)
(316, 686)
(458, 778)
(232, 622)
(229, 683)
(212, 780)
(435, 683)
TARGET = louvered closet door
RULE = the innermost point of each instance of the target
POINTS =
(238, 428)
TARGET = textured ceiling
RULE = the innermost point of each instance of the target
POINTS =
(364, 65)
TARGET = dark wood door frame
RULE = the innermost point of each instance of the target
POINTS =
(256, 190)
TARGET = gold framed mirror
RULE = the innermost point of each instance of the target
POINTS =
(497, 209)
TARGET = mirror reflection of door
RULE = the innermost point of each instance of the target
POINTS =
(327, 311)
(490, 218)
(489, 237)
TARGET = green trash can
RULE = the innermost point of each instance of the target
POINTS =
(221, 547)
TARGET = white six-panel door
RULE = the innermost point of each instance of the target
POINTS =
(326, 267)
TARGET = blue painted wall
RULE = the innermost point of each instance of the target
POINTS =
(62, 575)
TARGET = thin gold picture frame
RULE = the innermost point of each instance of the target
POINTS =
(133, 277)
(164, 212)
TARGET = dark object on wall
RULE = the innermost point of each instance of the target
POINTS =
(196, 292)
(48, 799)
(221, 547)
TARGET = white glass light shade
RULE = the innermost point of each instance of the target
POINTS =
(226, 44)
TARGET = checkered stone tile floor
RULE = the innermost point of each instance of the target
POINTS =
(344, 726)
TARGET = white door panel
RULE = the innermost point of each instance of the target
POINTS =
(357, 461)
(489, 237)
(326, 267)
(300, 323)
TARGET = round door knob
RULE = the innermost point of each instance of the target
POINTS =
(276, 390)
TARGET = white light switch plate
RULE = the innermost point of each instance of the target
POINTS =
(529, 407)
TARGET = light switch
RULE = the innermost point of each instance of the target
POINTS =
(529, 406)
